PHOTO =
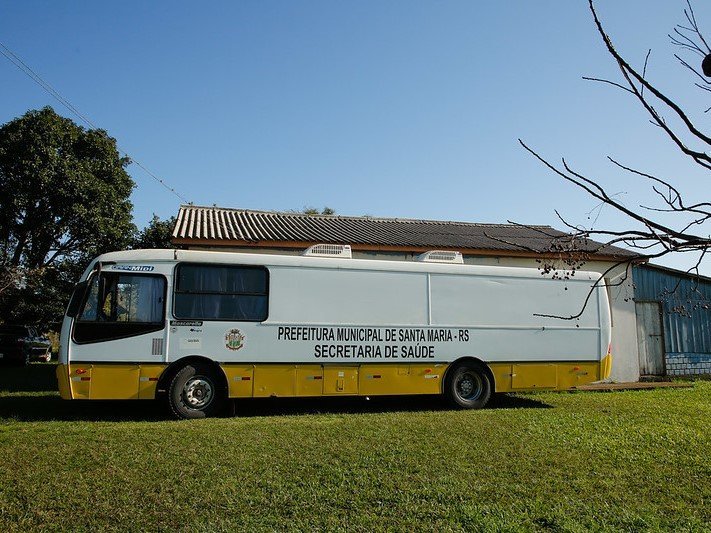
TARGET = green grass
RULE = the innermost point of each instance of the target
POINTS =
(632, 461)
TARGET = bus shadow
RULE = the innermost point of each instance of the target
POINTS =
(48, 406)
(359, 404)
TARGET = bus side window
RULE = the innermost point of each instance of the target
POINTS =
(139, 299)
(217, 292)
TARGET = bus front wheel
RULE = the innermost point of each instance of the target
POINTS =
(194, 392)
(468, 386)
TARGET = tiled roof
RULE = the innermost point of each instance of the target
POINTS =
(221, 226)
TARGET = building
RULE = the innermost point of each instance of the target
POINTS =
(673, 321)
(209, 228)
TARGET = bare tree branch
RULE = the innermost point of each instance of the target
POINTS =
(631, 74)
(589, 294)
(657, 230)
(669, 223)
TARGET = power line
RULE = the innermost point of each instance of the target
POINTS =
(27, 70)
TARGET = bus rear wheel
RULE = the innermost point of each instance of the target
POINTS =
(194, 392)
(468, 386)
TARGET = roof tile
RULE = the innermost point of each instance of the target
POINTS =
(195, 223)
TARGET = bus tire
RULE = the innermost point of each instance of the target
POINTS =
(468, 386)
(194, 392)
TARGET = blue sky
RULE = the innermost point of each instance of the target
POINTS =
(397, 109)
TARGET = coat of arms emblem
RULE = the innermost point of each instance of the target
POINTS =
(234, 340)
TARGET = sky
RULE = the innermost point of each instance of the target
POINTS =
(409, 109)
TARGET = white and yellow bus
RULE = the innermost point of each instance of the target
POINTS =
(197, 328)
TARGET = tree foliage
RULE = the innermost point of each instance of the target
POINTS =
(157, 234)
(315, 211)
(673, 224)
(64, 198)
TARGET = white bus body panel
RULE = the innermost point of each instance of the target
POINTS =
(362, 311)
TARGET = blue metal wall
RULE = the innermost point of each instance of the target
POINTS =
(686, 314)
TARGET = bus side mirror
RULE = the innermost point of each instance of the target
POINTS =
(77, 298)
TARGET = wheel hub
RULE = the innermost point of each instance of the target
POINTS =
(198, 392)
(469, 386)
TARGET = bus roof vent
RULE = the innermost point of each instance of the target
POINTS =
(442, 256)
(342, 251)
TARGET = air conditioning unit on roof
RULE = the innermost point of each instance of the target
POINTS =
(341, 251)
(441, 256)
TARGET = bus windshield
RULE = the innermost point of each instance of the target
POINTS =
(124, 298)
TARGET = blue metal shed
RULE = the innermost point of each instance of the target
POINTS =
(673, 321)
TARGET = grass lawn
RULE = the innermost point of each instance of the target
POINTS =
(631, 461)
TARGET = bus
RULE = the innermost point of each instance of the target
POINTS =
(196, 329)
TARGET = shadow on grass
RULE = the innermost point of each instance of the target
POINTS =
(359, 404)
(33, 398)
(50, 407)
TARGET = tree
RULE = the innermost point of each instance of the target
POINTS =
(314, 211)
(673, 225)
(157, 234)
(64, 198)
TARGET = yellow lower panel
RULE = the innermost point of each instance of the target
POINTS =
(84, 381)
(400, 379)
(340, 379)
(606, 366)
(114, 382)
(317, 380)
(63, 382)
(502, 376)
(309, 380)
(547, 376)
(134, 381)
(575, 374)
(534, 376)
(274, 380)
(240, 379)
(80, 380)
(148, 381)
